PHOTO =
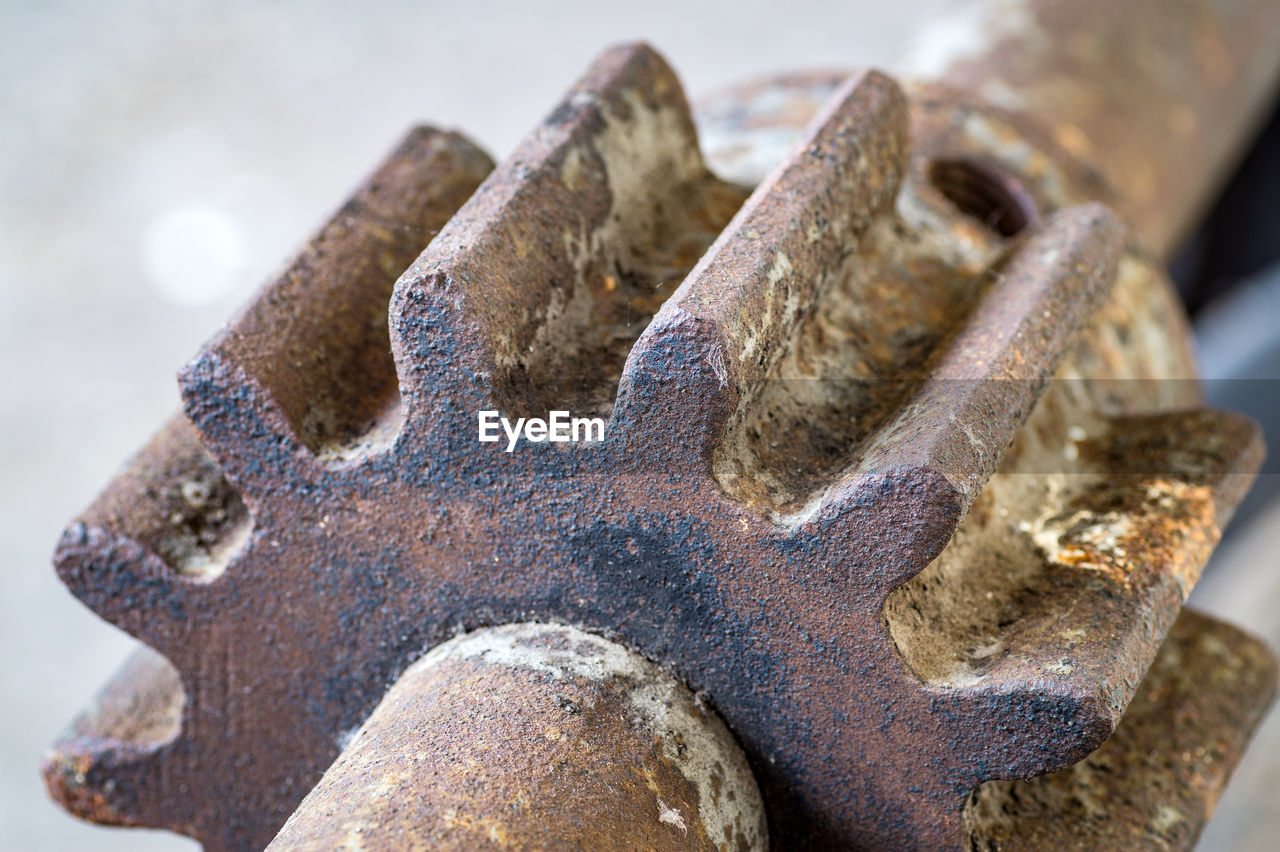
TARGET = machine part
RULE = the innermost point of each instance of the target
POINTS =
(526, 735)
(1153, 785)
(1158, 98)
(908, 475)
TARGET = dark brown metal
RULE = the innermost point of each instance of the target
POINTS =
(897, 471)
(534, 736)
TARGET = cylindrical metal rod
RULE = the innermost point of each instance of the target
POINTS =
(1159, 95)
(534, 736)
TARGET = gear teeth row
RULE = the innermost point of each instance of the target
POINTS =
(836, 492)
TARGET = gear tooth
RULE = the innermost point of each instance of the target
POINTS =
(916, 510)
(1030, 728)
(732, 318)
(1207, 690)
(992, 372)
(125, 584)
(985, 371)
(115, 765)
(531, 296)
(1046, 633)
(243, 426)
(143, 555)
(305, 371)
(675, 395)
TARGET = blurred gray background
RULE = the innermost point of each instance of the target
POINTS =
(138, 137)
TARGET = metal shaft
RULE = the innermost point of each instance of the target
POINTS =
(534, 736)
(1159, 95)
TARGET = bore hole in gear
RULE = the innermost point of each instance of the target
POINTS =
(984, 193)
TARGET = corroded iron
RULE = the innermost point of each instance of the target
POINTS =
(601, 750)
(1155, 98)
(1153, 785)
(905, 469)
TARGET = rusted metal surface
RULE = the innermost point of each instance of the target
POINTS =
(92, 771)
(1154, 784)
(534, 736)
(1148, 104)
(1153, 94)
(903, 471)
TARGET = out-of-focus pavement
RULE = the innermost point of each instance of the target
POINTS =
(140, 141)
